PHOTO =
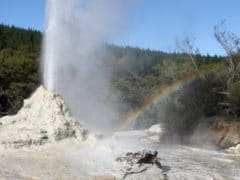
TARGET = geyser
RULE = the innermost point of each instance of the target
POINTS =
(76, 31)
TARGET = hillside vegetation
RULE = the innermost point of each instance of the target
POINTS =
(19, 66)
(137, 74)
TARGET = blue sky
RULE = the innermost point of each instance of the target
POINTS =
(23, 13)
(155, 23)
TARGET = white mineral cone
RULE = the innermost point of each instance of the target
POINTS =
(43, 118)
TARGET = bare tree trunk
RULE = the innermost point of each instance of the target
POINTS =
(230, 42)
(186, 46)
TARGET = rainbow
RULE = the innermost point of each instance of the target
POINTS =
(162, 93)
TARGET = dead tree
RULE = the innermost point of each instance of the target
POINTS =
(230, 42)
(187, 46)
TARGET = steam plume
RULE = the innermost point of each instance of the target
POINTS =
(73, 47)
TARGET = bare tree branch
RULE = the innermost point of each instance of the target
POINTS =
(187, 46)
(230, 42)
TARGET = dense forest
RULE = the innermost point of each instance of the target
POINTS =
(137, 74)
(19, 66)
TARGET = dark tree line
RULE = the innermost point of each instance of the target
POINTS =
(19, 66)
(18, 38)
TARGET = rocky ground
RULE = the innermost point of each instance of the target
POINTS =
(224, 135)
(43, 141)
(98, 159)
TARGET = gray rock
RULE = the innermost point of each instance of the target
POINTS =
(141, 165)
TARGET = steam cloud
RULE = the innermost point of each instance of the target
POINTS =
(73, 65)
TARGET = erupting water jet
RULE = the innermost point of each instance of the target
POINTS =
(74, 44)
